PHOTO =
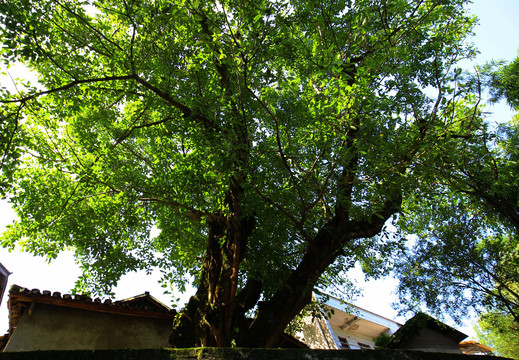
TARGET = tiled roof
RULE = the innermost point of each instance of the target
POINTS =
(145, 302)
(472, 347)
(132, 308)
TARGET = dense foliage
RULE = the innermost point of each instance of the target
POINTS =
(503, 82)
(268, 142)
(501, 331)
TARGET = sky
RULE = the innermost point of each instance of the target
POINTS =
(497, 37)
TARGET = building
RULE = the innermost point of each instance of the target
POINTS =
(343, 326)
(338, 325)
(472, 347)
(45, 321)
(4, 275)
(425, 333)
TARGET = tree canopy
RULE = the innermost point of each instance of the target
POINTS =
(467, 254)
(268, 142)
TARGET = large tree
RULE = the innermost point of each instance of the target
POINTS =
(268, 142)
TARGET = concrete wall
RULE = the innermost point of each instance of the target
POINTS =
(49, 327)
(238, 354)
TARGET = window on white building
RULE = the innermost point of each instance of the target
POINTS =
(364, 346)
(344, 343)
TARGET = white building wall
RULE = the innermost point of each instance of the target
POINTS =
(333, 330)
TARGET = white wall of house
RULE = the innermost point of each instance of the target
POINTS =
(354, 327)
(344, 326)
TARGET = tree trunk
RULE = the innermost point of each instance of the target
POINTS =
(208, 319)
(197, 324)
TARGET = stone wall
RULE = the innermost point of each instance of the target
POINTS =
(237, 354)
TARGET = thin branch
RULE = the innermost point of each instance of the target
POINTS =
(87, 23)
(10, 141)
(85, 44)
(68, 86)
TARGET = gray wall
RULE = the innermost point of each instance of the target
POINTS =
(49, 327)
(431, 340)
